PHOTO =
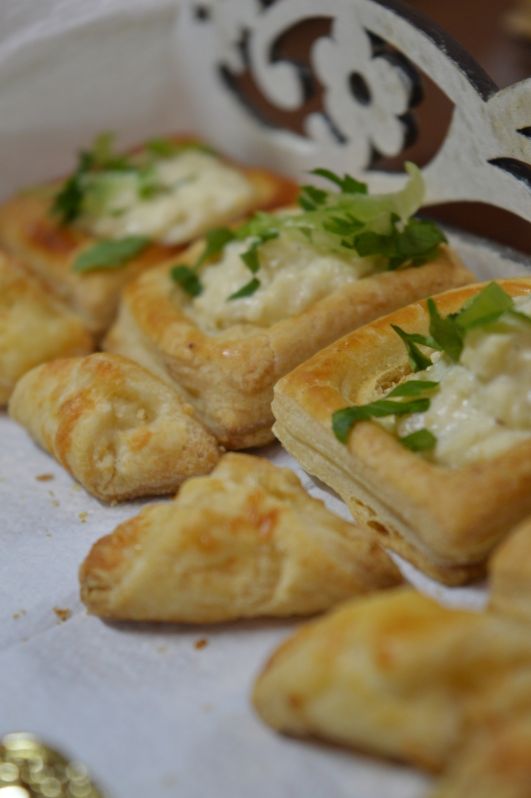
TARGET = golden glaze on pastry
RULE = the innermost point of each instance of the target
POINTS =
(494, 763)
(246, 541)
(48, 249)
(445, 520)
(118, 429)
(398, 675)
(229, 376)
(510, 574)
(34, 327)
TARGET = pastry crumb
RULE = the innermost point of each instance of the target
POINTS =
(201, 643)
(44, 477)
(162, 648)
(83, 517)
(19, 614)
(63, 613)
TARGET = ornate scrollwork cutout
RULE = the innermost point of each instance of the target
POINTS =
(368, 90)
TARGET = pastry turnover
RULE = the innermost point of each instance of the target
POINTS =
(228, 373)
(243, 542)
(119, 430)
(510, 574)
(398, 675)
(494, 763)
(48, 247)
(34, 327)
(444, 518)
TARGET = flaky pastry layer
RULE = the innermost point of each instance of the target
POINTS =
(445, 520)
(34, 327)
(510, 574)
(396, 674)
(119, 430)
(229, 376)
(243, 542)
(48, 249)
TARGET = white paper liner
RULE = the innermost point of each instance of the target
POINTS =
(149, 713)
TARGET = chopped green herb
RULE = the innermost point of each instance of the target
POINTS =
(413, 388)
(420, 441)
(417, 359)
(445, 332)
(485, 307)
(68, 201)
(187, 279)
(215, 242)
(110, 254)
(167, 148)
(347, 184)
(343, 420)
(246, 290)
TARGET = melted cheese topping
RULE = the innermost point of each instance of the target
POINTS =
(483, 405)
(293, 275)
(198, 191)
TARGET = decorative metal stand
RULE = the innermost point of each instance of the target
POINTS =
(369, 68)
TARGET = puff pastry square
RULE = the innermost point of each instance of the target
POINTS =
(119, 430)
(444, 519)
(510, 574)
(243, 542)
(229, 376)
(398, 675)
(34, 327)
(48, 249)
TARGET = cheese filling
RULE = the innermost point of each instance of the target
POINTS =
(293, 275)
(195, 191)
(483, 404)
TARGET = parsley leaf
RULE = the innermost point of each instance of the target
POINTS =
(445, 332)
(344, 419)
(347, 184)
(422, 440)
(215, 241)
(246, 290)
(414, 388)
(68, 201)
(187, 279)
(417, 359)
(110, 254)
(485, 307)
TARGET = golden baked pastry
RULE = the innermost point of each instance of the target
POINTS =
(510, 574)
(445, 515)
(34, 327)
(398, 675)
(244, 542)
(494, 763)
(119, 430)
(111, 197)
(224, 342)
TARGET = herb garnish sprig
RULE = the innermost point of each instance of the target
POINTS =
(446, 335)
(346, 221)
(101, 171)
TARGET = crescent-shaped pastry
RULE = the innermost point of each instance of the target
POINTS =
(49, 248)
(34, 327)
(398, 675)
(119, 430)
(510, 574)
(245, 541)
(228, 372)
(443, 515)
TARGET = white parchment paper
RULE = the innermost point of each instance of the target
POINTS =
(149, 713)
